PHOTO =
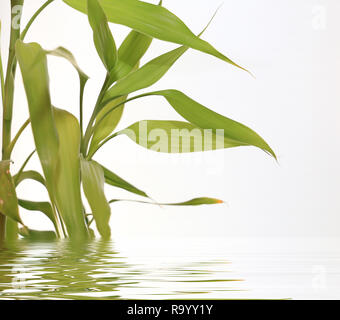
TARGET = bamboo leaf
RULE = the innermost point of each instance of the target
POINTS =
(108, 124)
(146, 76)
(205, 118)
(93, 184)
(116, 181)
(68, 194)
(102, 35)
(57, 138)
(66, 54)
(176, 137)
(130, 53)
(152, 20)
(37, 235)
(33, 65)
(8, 198)
(31, 174)
(44, 207)
(193, 202)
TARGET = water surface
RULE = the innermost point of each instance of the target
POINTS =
(213, 268)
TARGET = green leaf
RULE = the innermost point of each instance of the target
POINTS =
(8, 198)
(130, 53)
(37, 235)
(116, 181)
(44, 207)
(31, 174)
(64, 53)
(57, 139)
(152, 20)
(102, 35)
(108, 124)
(93, 184)
(176, 137)
(68, 191)
(146, 76)
(33, 65)
(204, 118)
(193, 202)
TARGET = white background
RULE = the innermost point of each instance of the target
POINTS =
(293, 49)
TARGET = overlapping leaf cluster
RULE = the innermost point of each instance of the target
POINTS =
(66, 148)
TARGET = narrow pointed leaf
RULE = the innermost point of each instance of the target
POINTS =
(44, 207)
(93, 184)
(205, 118)
(130, 53)
(31, 174)
(102, 35)
(193, 202)
(8, 198)
(108, 124)
(152, 20)
(116, 181)
(68, 194)
(176, 137)
(146, 76)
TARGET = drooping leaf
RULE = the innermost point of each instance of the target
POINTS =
(31, 174)
(8, 198)
(116, 181)
(83, 78)
(57, 139)
(193, 202)
(152, 20)
(68, 192)
(33, 65)
(205, 118)
(102, 35)
(44, 207)
(93, 184)
(37, 235)
(66, 54)
(176, 137)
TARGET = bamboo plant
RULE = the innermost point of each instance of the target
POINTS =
(66, 146)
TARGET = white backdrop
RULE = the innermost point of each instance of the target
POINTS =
(293, 49)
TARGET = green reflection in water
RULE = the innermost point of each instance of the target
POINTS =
(94, 270)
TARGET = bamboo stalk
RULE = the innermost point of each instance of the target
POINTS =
(8, 103)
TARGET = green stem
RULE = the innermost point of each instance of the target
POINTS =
(17, 136)
(91, 154)
(23, 167)
(24, 32)
(81, 104)
(88, 132)
(8, 95)
(2, 228)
